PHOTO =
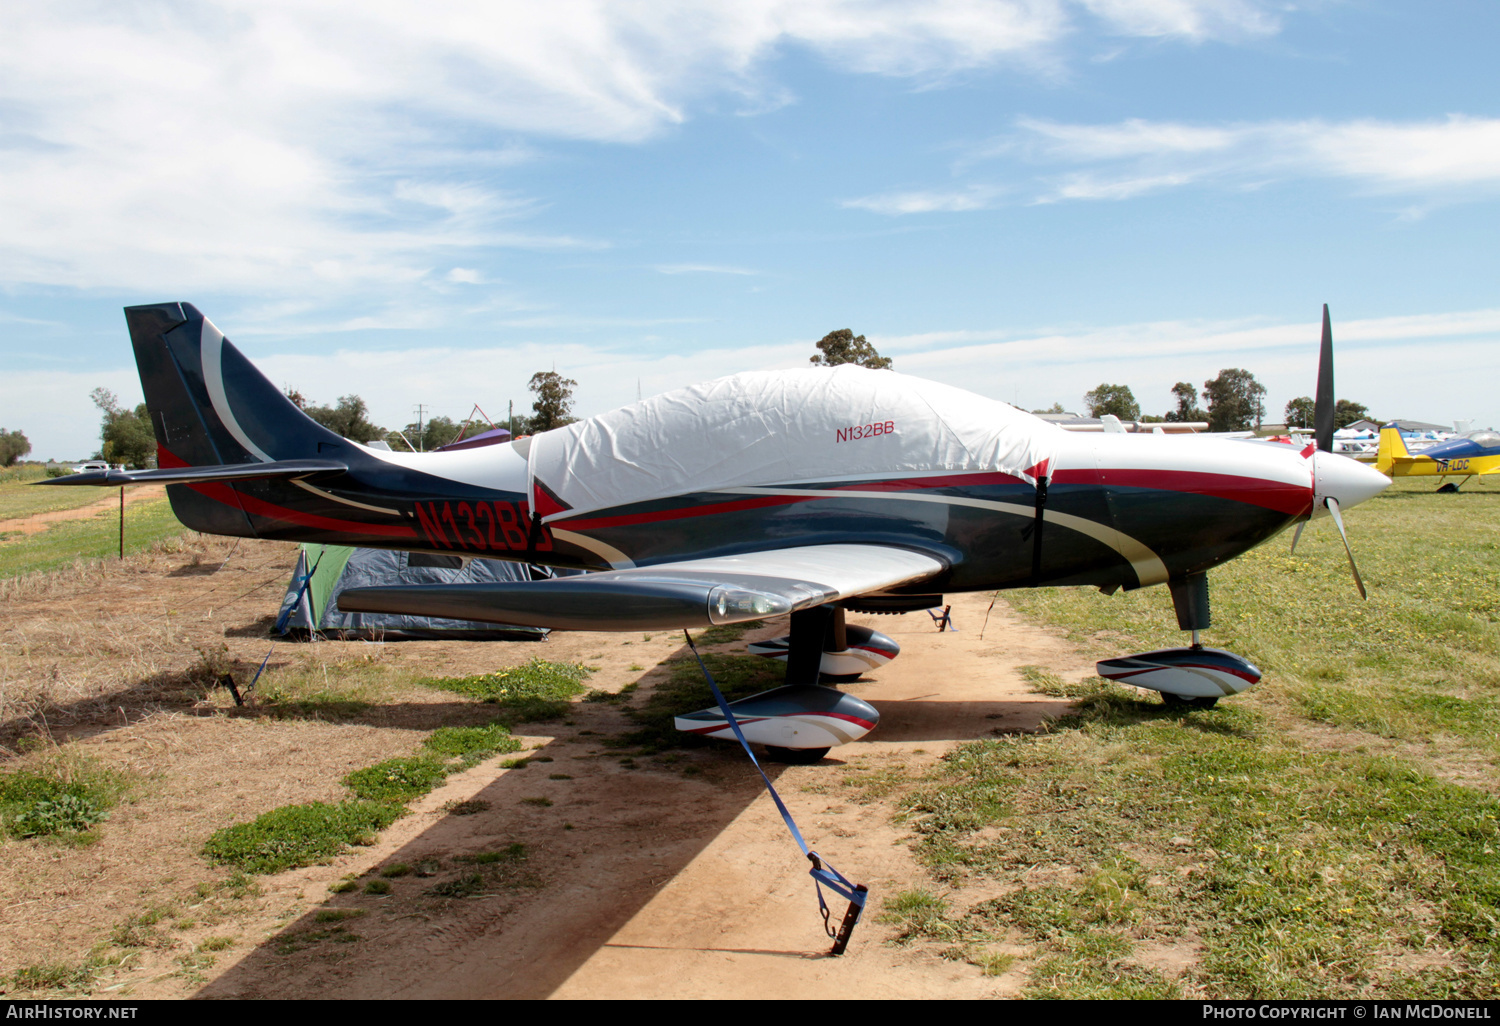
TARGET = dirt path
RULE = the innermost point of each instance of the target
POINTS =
(41, 521)
(653, 876)
(661, 885)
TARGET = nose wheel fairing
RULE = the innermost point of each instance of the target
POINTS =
(1192, 677)
(1194, 672)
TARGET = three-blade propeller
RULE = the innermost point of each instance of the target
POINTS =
(1323, 410)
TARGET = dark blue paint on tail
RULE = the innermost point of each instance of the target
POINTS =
(169, 342)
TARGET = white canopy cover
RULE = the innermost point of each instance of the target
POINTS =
(785, 427)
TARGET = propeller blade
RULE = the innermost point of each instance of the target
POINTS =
(1323, 402)
(1297, 536)
(1333, 507)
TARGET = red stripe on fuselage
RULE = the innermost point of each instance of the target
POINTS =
(682, 512)
(1291, 499)
(239, 500)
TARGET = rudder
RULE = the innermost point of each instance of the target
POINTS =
(1392, 448)
(209, 406)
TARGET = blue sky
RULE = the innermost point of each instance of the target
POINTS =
(1027, 199)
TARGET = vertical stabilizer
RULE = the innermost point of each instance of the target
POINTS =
(210, 407)
(1392, 448)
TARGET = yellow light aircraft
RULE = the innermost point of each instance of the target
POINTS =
(1468, 455)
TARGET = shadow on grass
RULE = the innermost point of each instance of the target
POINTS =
(260, 628)
(196, 569)
(183, 691)
(1118, 708)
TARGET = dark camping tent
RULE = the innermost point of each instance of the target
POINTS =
(312, 604)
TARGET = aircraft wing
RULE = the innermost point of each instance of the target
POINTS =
(197, 475)
(691, 593)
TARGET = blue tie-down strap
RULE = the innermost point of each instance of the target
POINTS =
(823, 874)
(286, 614)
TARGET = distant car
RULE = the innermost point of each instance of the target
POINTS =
(92, 465)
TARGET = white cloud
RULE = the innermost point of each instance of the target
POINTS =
(246, 145)
(701, 269)
(1130, 138)
(1450, 158)
(926, 202)
(1455, 158)
(1192, 19)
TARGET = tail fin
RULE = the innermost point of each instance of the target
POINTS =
(1392, 448)
(209, 406)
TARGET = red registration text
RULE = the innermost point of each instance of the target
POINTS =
(479, 526)
(854, 434)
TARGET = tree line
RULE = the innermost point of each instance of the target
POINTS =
(349, 417)
(13, 445)
(126, 435)
(1236, 402)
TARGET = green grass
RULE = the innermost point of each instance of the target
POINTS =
(298, 835)
(1306, 873)
(1418, 661)
(397, 781)
(503, 868)
(726, 633)
(919, 913)
(1333, 833)
(63, 797)
(471, 744)
(98, 537)
(685, 690)
(536, 690)
(513, 852)
(20, 497)
(54, 976)
(304, 835)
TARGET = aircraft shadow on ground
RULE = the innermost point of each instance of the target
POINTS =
(635, 832)
(532, 924)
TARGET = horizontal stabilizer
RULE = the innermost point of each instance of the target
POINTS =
(196, 475)
(693, 593)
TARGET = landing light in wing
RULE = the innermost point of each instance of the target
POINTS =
(731, 605)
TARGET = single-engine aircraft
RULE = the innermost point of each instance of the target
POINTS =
(804, 492)
(1471, 454)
